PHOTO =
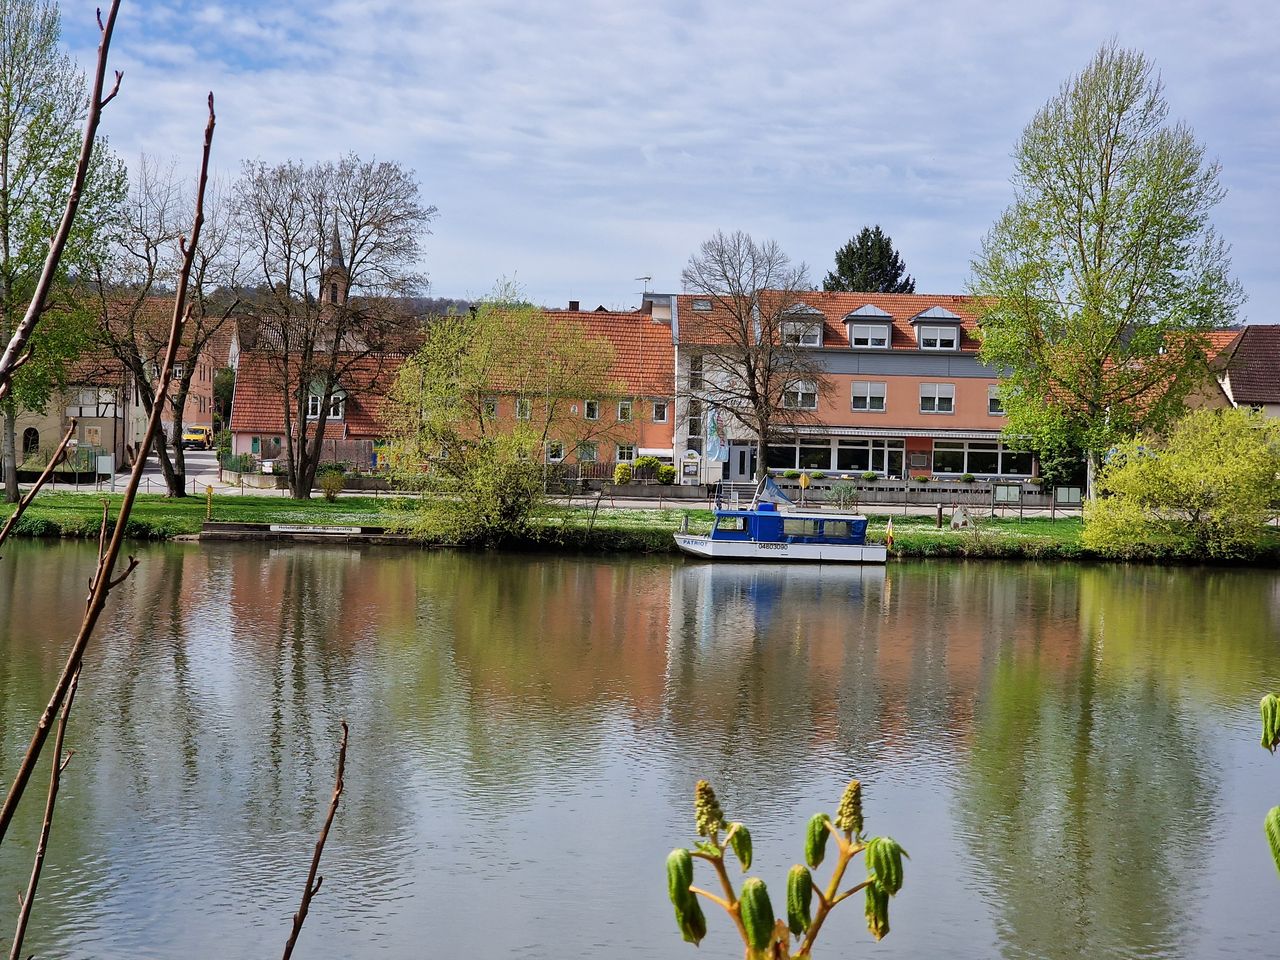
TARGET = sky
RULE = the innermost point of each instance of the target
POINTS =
(578, 145)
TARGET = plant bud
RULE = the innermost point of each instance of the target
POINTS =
(799, 898)
(1272, 826)
(1270, 708)
(740, 840)
(877, 911)
(757, 913)
(884, 864)
(706, 810)
(679, 877)
(849, 816)
(815, 841)
(692, 921)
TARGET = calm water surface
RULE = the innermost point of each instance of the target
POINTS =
(1069, 754)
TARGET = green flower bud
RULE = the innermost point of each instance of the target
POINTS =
(849, 816)
(1272, 826)
(757, 913)
(740, 840)
(706, 810)
(884, 864)
(679, 877)
(1270, 708)
(877, 911)
(815, 841)
(799, 898)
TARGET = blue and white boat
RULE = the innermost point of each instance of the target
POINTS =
(762, 532)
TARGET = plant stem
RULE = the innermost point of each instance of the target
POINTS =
(826, 902)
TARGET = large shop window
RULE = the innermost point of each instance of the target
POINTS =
(880, 456)
(979, 458)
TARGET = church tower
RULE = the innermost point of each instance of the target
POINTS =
(334, 278)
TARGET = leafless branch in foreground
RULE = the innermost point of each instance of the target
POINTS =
(16, 353)
(313, 879)
(104, 580)
(25, 502)
(55, 779)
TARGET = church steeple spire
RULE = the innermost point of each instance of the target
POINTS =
(333, 282)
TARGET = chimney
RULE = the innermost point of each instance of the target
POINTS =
(575, 305)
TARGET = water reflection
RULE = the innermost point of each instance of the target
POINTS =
(1052, 744)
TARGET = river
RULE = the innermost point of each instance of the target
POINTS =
(1069, 754)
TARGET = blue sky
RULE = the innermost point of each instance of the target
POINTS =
(579, 144)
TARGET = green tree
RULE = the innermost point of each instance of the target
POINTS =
(42, 109)
(1204, 492)
(869, 264)
(454, 424)
(1099, 283)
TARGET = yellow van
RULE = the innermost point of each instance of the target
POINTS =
(201, 438)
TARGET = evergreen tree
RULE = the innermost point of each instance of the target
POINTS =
(869, 264)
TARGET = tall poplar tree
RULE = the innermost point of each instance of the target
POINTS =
(869, 264)
(43, 99)
(1099, 284)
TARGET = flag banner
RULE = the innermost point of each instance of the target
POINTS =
(888, 534)
(717, 443)
(770, 492)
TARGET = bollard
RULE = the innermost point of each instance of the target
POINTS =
(208, 503)
(939, 521)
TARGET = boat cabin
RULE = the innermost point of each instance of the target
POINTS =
(766, 525)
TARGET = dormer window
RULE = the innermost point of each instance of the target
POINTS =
(938, 338)
(337, 405)
(802, 333)
(874, 336)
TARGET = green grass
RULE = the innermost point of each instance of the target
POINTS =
(613, 530)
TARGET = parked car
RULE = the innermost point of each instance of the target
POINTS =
(201, 438)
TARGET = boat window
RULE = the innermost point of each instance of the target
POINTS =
(731, 523)
(837, 528)
(793, 527)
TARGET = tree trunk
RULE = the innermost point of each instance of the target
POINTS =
(10, 454)
(1091, 475)
(762, 449)
(175, 479)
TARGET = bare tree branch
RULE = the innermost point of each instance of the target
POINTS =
(103, 581)
(313, 879)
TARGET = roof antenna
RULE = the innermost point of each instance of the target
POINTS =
(646, 284)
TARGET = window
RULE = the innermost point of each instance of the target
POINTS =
(591, 409)
(875, 335)
(555, 451)
(937, 398)
(178, 370)
(588, 452)
(815, 458)
(337, 403)
(489, 408)
(624, 411)
(802, 333)
(880, 456)
(659, 411)
(868, 395)
(701, 305)
(801, 395)
(794, 527)
(995, 406)
(732, 524)
(938, 338)
(695, 372)
(780, 458)
(255, 446)
(30, 441)
(695, 418)
(837, 529)
(524, 409)
(626, 451)
(983, 458)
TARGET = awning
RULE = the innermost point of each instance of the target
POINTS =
(818, 431)
(656, 452)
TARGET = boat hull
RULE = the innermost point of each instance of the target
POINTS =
(709, 549)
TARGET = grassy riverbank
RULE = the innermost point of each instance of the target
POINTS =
(608, 530)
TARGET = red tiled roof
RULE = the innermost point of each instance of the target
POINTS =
(700, 326)
(643, 353)
(258, 403)
(1251, 363)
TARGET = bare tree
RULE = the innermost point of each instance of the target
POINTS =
(751, 341)
(333, 250)
(126, 294)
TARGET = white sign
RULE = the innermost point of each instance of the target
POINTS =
(303, 528)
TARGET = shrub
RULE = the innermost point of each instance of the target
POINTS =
(967, 478)
(819, 475)
(1204, 492)
(870, 475)
(666, 474)
(791, 474)
(919, 479)
(843, 494)
(331, 483)
(646, 463)
(1035, 481)
(622, 473)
